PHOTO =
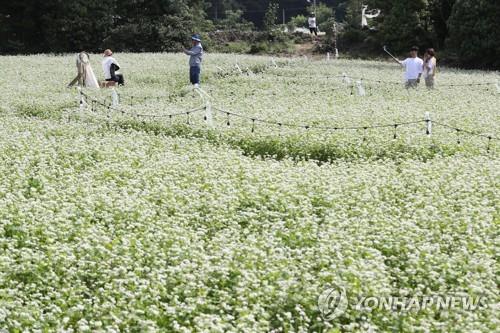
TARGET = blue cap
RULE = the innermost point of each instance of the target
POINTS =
(196, 37)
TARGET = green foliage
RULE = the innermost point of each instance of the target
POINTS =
(465, 31)
(330, 28)
(234, 20)
(299, 21)
(61, 26)
(404, 23)
(353, 13)
(271, 16)
(474, 33)
(439, 13)
(252, 42)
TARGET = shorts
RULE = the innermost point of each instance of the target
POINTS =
(194, 74)
(411, 83)
(429, 82)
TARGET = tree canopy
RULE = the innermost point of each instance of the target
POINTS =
(466, 30)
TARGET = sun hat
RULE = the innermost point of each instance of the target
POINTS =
(108, 53)
(196, 37)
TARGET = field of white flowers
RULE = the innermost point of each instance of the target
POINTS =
(110, 221)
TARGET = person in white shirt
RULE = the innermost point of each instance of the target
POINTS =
(110, 67)
(313, 28)
(414, 68)
(430, 64)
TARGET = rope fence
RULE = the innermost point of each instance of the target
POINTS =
(208, 116)
(84, 98)
(347, 79)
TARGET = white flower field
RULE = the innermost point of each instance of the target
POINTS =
(123, 218)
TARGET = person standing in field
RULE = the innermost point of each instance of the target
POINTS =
(429, 69)
(110, 67)
(313, 28)
(195, 58)
(85, 75)
(414, 68)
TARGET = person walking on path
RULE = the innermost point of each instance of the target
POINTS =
(430, 65)
(195, 58)
(313, 28)
(110, 67)
(414, 68)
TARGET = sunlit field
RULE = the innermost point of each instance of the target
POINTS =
(233, 208)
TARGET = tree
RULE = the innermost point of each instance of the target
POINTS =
(60, 30)
(403, 23)
(233, 20)
(29, 26)
(474, 33)
(271, 16)
(440, 11)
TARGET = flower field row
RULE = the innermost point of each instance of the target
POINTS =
(113, 223)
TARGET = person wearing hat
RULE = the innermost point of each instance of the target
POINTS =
(414, 67)
(110, 67)
(195, 58)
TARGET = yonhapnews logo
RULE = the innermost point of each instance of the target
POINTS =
(333, 302)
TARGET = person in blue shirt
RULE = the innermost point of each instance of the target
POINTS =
(195, 58)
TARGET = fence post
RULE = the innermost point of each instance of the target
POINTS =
(361, 89)
(346, 79)
(428, 124)
(115, 100)
(208, 113)
(80, 99)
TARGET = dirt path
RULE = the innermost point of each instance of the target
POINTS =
(304, 49)
(308, 48)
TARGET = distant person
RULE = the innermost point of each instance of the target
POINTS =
(195, 58)
(430, 66)
(313, 28)
(414, 68)
(110, 67)
(85, 75)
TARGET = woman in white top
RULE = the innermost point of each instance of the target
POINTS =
(429, 67)
(85, 76)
